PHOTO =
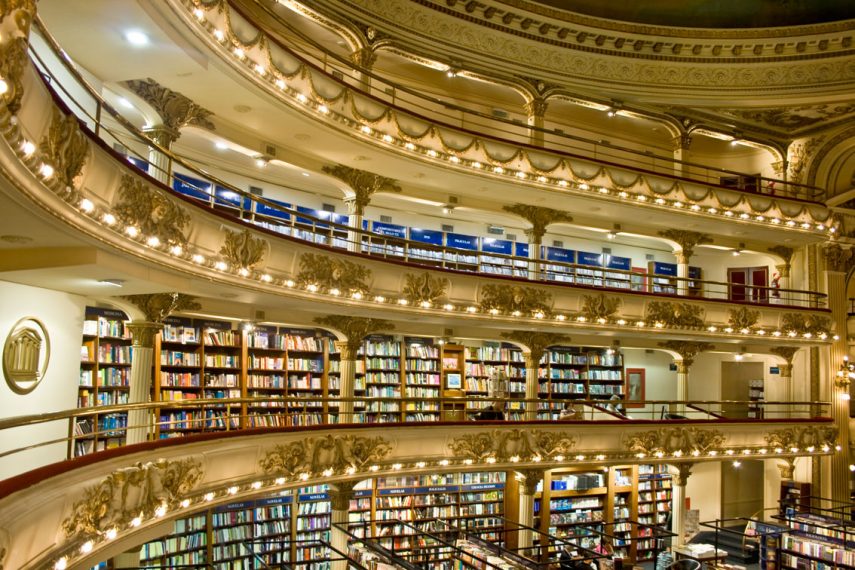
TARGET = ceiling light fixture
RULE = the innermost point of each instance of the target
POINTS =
(113, 282)
(136, 38)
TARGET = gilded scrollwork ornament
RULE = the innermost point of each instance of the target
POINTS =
(743, 318)
(65, 147)
(837, 258)
(804, 324)
(329, 273)
(688, 350)
(354, 329)
(136, 492)
(599, 307)
(424, 289)
(175, 109)
(675, 315)
(671, 440)
(15, 19)
(157, 306)
(539, 218)
(793, 439)
(315, 455)
(505, 444)
(536, 343)
(150, 211)
(363, 183)
(242, 249)
(687, 240)
(515, 300)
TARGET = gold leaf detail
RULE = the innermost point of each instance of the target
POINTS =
(686, 349)
(667, 441)
(424, 288)
(150, 211)
(502, 445)
(242, 250)
(675, 315)
(743, 318)
(65, 147)
(157, 306)
(801, 437)
(132, 492)
(805, 324)
(315, 455)
(328, 273)
(509, 299)
(595, 307)
(175, 109)
(17, 15)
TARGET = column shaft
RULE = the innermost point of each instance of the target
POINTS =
(354, 236)
(678, 518)
(139, 389)
(347, 382)
(524, 537)
(836, 282)
(531, 386)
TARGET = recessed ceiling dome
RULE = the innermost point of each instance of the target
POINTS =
(705, 13)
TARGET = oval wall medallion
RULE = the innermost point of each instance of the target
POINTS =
(25, 355)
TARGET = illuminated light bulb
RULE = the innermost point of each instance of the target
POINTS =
(712, 328)
(304, 476)
(467, 462)
(380, 299)
(471, 309)
(640, 455)
(659, 201)
(498, 169)
(520, 174)
(776, 333)
(837, 337)
(729, 452)
(820, 227)
(823, 336)
(604, 190)
(728, 213)
(160, 510)
(678, 453)
(581, 318)
(490, 460)
(775, 221)
(559, 458)
(808, 335)
(538, 315)
(280, 83)
(289, 283)
(388, 139)
(199, 13)
(695, 207)
(111, 534)
(46, 170)
(601, 321)
(659, 325)
(542, 179)
(494, 311)
(86, 547)
(185, 503)
(403, 302)
(744, 216)
(397, 466)
(280, 480)
(350, 470)
(792, 334)
(420, 464)
(806, 225)
(621, 322)
(357, 295)
(243, 272)
(221, 265)
(660, 454)
(844, 396)
(28, 148)
(153, 241)
(448, 307)
(810, 449)
(600, 457)
(695, 453)
(443, 462)
(623, 193)
(431, 153)
(794, 449)
(678, 204)
(454, 159)
(374, 468)
(61, 564)
(266, 278)
(209, 497)
(256, 485)
(762, 451)
(335, 292)
(746, 452)
(761, 332)
(239, 53)
(728, 330)
(176, 250)
(86, 205)
(312, 287)
(580, 457)
(302, 98)
(233, 490)
(323, 109)
(712, 211)
(136, 521)
(477, 164)
(583, 186)
(561, 317)
(259, 69)
(132, 231)
(642, 198)
(410, 146)
(826, 449)
(761, 218)
(737, 463)
(639, 323)
(366, 129)
(713, 453)
(516, 313)
(745, 331)
(563, 183)
(327, 472)
(219, 35)
(778, 450)
(537, 458)
(837, 448)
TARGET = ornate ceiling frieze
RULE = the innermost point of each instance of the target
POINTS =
(687, 350)
(504, 445)
(132, 493)
(331, 454)
(354, 329)
(539, 217)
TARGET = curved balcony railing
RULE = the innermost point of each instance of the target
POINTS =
(167, 419)
(218, 195)
(427, 106)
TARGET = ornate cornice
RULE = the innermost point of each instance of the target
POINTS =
(675, 315)
(837, 258)
(785, 352)
(797, 438)
(504, 445)
(743, 318)
(802, 324)
(680, 473)
(687, 240)
(175, 110)
(425, 289)
(674, 440)
(65, 147)
(242, 249)
(599, 308)
(530, 479)
(328, 273)
(539, 218)
(329, 454)
(536, 343)
(687, 350)
(341, 494)
(355, 329)
(131, 493)
(150, 211)
(363, 183)
(515, 300)
(143, 333)
(157, 306)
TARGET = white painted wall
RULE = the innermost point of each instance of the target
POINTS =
(661, 383)
(62, 315)
(705, 477)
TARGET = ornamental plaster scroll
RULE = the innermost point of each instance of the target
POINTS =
(150, 211)
(675, 315)
(687, 350)
(331, 454)
(505, 445)
(668, 441)
(681, 472)
(802, 324)
(175, 109)
(800, 155)
(348, 107)
(515, 300)
(746, 72)
(329, 273)
(424, 288)
(802, 437)
(837, 258)
(743, 318)
(539, 218)
(15, 19)
(687, 240)
(131, 493)
(535, 343)
(158, 306)
(354, 329)
(597, 308)
(65, 147)
(363, 183)
(242, 249)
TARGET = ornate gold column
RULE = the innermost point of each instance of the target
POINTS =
(786, 371)
(539, 218)
(535, 111)
(687, 241)
(679, 477)
(688, 351)
(354, 330)
(528, 487)
(156, 307)
(364, 185)
(786, 254)
(176, 111)
(681, 145)
(838, 263)
(534, 345)
(340, 496)
(139, 391)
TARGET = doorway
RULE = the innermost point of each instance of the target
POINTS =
(748, 284)
(742, 488)
(739, 386)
